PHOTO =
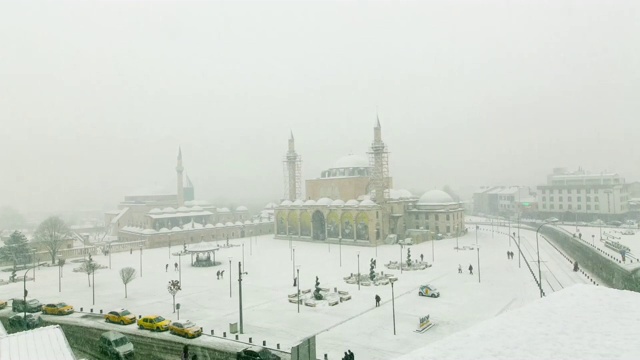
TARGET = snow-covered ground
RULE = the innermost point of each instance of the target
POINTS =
(356, 324)
(581, 322)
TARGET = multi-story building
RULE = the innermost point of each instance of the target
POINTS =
(583, 196)
(500, 200)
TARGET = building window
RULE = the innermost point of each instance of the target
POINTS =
(597, 207)
(569, 192)
(550, 198)
(579, 207)
(437, 217)
(588, 191)
(579, 198)
(560, 206)
(416, 217)
(577, 191)
(448, 229)
(448, 217)
(544, 206)
(560, 198)
(551, 206)
(588, 207)
(544, 191)
(569, 207)
(544, 198)
(588, 198)
(595, 198)
(569, 199)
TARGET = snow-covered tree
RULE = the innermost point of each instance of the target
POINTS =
(173, 288)
(127, 275)
(52, 232)
(409, 257)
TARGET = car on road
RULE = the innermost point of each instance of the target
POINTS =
(120, 316)
(32, 305)
(154, 323)
(116, 345)
(57, 309)
(256, 353)
(33, 321)
(185, 328)
(428, 290)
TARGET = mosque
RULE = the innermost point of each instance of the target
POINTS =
(162, 219)
(354, 202)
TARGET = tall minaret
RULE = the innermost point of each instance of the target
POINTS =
(292, 167)
(379, 162)
(179, 170)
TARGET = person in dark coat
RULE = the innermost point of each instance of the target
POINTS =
(508, 254)
(222, 274)
(378, 300)
(166, 268)
(346, 356)
(218, 274)
(185, 353)
(175, 267)
(470, 269)
(421, 258)
(459, 269)
(351, 356)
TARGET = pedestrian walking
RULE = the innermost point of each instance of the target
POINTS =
(175, 267)
(185, 353)
(166, 268)
(470, 269)
(378, 300)
(508, 254)
(459, 269)
(131, 251)
(222, 274)
(218, 274)
(421, 258)
(351, 356)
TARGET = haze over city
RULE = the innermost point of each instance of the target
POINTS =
(96, 97)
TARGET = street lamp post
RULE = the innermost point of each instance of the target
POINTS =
(298, 283)
(433, 253)
(458, 247)
(358, 270)
(93, 286)
(140, 260)
(109, 250)
(340, 240)
(393, 305)
(548, 221)
(478, 247)
(34, 265)
(240, 273)
(294, 263)
(400, 262)
(59, 274)
(509, 232)
(243, 256)
(229, 276)
(251, 242)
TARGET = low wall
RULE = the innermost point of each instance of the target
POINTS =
(610, 272)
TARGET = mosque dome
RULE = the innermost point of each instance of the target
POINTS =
(270, 205)
(163, 230)
(309, 202)
(195, 208)
(183, 209)
(219, 225)
(238, 223)
(168, 210)
(155, 211)
(435, 197)
(175, 228)
(228, 223)
(367, 202)
(242, 208)
(324, 201)
(298, 203)
(247, 222)
(348, 166)
(351, 161)
(286, 203)
(337, 202)
(224, 210)
(352, 202)
(209, 226)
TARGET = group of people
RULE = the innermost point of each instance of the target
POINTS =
(185, 354)
(220, 274)
(175, 267)
(510, 255)
(470, 269)
(348, 355)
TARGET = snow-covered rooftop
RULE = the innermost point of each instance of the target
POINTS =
(579, 322)
(41, 343)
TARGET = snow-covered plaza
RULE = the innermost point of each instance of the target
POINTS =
(498, 285)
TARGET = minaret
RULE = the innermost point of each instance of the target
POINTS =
(379, 161)
(179, 170)
(292, 170)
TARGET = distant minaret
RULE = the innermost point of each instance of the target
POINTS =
(179, 170)
(292, 172)
(379, 162)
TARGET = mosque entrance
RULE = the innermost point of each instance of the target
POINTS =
(319, 226)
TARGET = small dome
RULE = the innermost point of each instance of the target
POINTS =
(405, 194)
(242, 208)
(224, 210)
(155, 211)
(197, 225)
(435, 197)
(163, 230)
(351, 161)
(298, 203)
(337, 202)
(324, 201)
(256, 221)
(270, 205)
(351, 202)
(175, 228)
(148, 231)
(195, 208)
(367, 202)
(238, 223)
(209, 226)
(228, 223)
(286, 203)
(183, 209)
(219, 225)
(168, 210)
(309, 202)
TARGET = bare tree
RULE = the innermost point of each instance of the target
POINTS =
(127, 275)
(89, 267)
(174, 287)
(52, 232)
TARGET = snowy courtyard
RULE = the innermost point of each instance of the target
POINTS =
(354, 324)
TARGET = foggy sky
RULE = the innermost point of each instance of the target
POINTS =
(96, 97)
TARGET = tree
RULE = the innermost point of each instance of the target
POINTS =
(127, 275)
(15, 249)
(409, 257)
(89, 267)
(52, 232)
(174, 287)
(316, 293)
(372, 270)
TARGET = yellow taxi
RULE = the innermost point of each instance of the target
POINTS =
(3, 304)
(185, 328)
(154, 323)
(120, 316)
(57, 309)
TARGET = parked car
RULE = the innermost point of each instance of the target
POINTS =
(154, 323)
(428, 290)
(120, 316)
(57, 309)
(3, 304)
(185, 328)
(116, 345)
(32, 321)
(32, 305)
(256, 353)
